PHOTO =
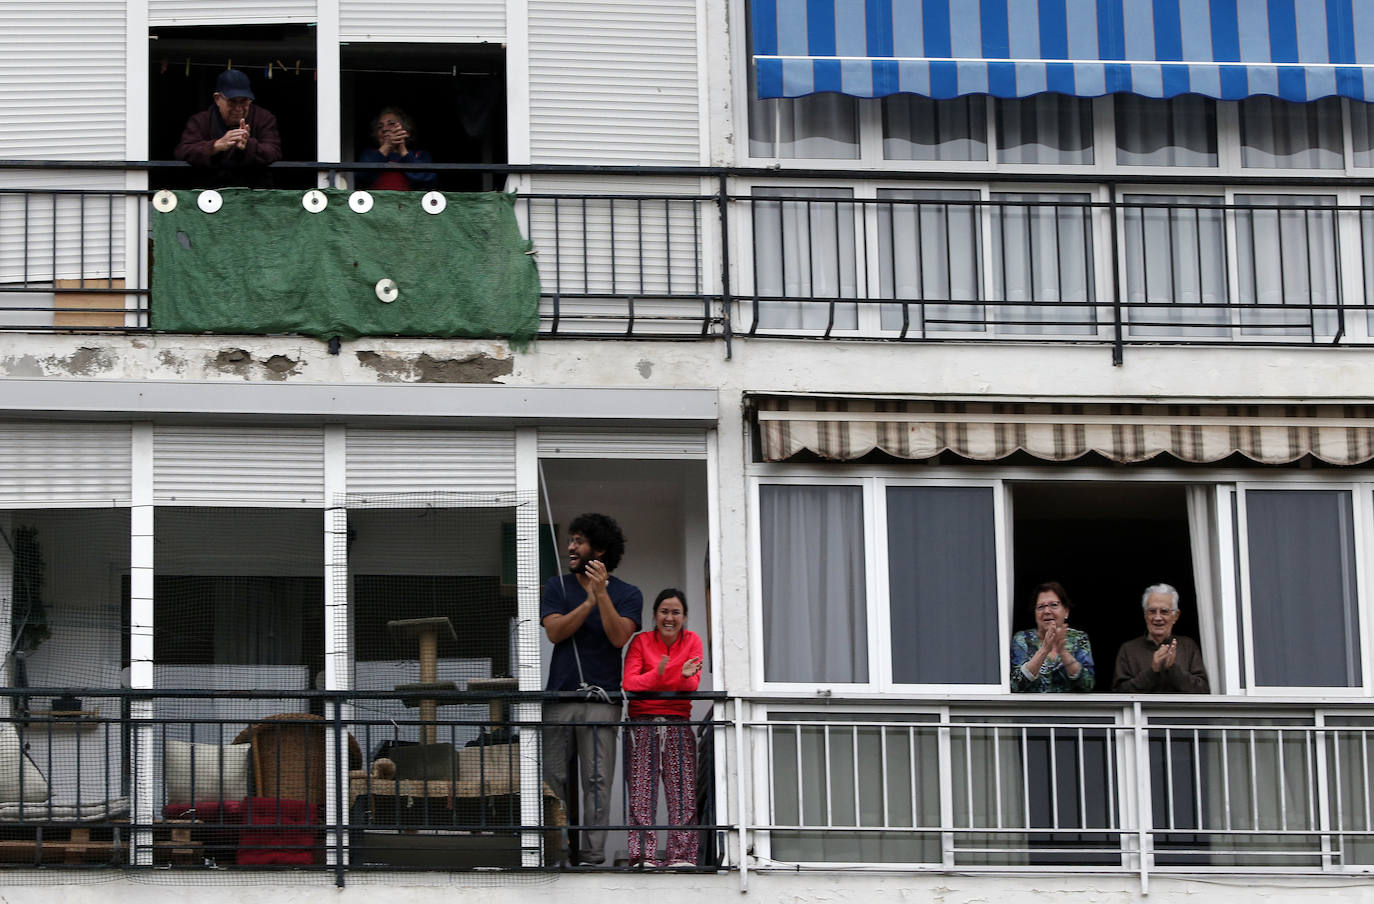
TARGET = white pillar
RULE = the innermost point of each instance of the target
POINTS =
(141, 634)
(526, 666)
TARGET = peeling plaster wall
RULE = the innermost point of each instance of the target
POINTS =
(1013, 370)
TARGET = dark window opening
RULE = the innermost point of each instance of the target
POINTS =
(183, 65)
(455, 95)
(1105, 543)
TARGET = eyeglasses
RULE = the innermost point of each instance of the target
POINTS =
(1040, 607)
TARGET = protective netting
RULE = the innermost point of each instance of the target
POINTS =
(437, 650)
(254, 676)
(63, 757)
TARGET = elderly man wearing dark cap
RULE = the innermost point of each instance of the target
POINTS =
(233, 139)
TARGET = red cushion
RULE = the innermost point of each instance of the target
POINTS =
(283, 842)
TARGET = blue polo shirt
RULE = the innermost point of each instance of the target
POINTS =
(601, 662)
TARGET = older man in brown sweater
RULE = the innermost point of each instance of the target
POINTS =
(1159, 662)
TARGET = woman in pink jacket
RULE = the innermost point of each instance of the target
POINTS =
(667, 658)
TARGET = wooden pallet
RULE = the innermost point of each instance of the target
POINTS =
(77, 847)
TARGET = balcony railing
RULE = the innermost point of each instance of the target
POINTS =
(689, 252)
(279, 780)
(1140, 788)
(322, 781)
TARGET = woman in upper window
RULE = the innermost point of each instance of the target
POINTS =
(394, 132)
(667, 658)
(1052, 658)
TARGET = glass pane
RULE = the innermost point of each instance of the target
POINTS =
(804, 248)
(1047, 128)
(1286, 258)
(1175, 260)
(1042, 263)
(942, 574)
(1362, 132)
(814, 604)
(930, 248)
(1303, 618)
(1283, 135)
(817, 126)
(918, 128)
(859, 792)
(1179, 131)
(1367, 259)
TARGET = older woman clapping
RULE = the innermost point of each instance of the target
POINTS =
(1053, 658)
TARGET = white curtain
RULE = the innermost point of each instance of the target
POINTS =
(817, 126)
(1175, 256)
(1202, 521)
(918, 128)
(931, 250)
(804, 248)
(1349, 764)
(987, 765)
(838, 776)
(1046, 128)
(814, 601)
(1280, 134)
(1042, 253)
(1179, 131)
(1287, 257)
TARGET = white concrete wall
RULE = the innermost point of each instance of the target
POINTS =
(774, 888)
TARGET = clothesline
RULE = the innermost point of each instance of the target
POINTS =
(296, 68)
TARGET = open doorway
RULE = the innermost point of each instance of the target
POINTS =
(1105, 542)
(183, 65)
(454, 93)
(660, 506)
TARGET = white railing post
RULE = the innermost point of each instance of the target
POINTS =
(743, 759)
(1143, 811)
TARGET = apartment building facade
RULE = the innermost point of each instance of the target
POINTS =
(862, 317)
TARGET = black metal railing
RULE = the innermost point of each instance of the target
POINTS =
(763, 252)
(307, 780)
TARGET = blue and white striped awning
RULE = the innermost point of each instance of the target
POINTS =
(1298, 50)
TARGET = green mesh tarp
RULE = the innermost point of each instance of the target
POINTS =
(262, 263)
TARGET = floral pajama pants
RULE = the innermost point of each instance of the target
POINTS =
(666, 748)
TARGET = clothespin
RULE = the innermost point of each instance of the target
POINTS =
(269, 69)
(188, 67)
(163, 69)
(298, 67)
(229, 63)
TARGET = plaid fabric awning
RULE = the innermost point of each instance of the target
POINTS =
(844, 429)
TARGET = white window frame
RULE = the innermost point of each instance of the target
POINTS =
(810, 688)
(1362, 512)
(1001, 526)
(1104, 163)
(1232, 672)
(877, 613)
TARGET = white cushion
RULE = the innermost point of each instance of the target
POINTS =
(12, 760)
(99, 811)
(210, 771)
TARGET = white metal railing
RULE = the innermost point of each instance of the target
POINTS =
(1137, 787)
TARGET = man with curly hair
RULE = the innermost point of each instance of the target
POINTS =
(589, 616)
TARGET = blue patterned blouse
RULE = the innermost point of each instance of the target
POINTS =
(1053, 679)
